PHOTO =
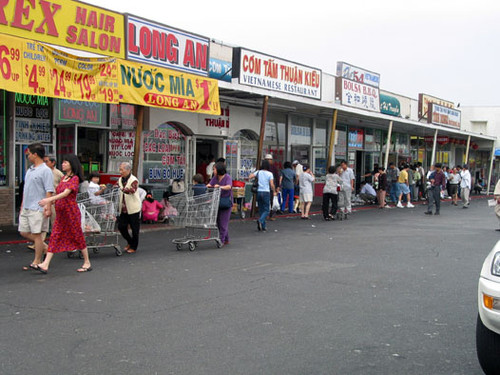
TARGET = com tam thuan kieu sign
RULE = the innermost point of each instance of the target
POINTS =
(66, 23)
(271, 73)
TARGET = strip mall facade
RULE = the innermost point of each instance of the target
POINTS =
(315, 117)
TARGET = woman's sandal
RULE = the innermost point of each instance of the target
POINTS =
(84, 269)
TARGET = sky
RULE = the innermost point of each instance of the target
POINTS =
(444, 48)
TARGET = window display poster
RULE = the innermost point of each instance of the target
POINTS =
(356, 137)
(164, 155)
(66, 141)
(29, 130)
(121, 145)
(341, 142)
(122, 116)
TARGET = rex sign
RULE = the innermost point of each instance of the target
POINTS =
(152, 43)
(66, 23)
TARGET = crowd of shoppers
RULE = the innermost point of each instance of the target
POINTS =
(46, 188)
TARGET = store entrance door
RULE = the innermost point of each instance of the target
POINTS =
(207, 148)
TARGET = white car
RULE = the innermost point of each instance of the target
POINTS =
(488, 321)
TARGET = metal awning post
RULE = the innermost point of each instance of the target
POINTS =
(388, 146)
(490, 174)
(467, 151)
(434, 144)
(331, 143)
(263, 121)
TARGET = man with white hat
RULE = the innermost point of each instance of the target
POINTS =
(276, 174)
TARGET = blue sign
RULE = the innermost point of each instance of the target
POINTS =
(220, 70)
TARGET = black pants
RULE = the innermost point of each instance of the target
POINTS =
(434, 196)
(327, 198)
(135, 223)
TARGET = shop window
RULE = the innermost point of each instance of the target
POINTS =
(340, 144)
(275, 138)
(248, 143)
(402, 144)
(320, 132)
(3, 143)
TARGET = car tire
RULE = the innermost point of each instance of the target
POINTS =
(487, 348)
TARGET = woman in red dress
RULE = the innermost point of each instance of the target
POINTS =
(67, 234)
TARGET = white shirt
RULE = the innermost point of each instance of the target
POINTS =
(466, 179)
(368, 189)
(305, 183)
(210, 169)
(347, 177)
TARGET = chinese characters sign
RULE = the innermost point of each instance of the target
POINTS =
(266, 72)
(358, 95)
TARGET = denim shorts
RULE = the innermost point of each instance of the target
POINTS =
(404, 189)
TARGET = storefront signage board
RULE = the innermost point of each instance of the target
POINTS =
(164, 88)
(152, 43)
(356, 74)
(66, 23)
(441, 115)
(358, 95)
(390, 105)
(220, 70)
(84, 113)
(423, 104)
(271, 73)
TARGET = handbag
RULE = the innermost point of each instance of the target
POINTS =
(255, 184)
(225, 203)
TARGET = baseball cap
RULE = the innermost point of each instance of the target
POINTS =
(269, 157)
(295, 162)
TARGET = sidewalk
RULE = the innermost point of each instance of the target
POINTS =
(9, 234)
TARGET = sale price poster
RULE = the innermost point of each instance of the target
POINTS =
(29, 67)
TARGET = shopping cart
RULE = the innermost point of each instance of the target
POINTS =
(198, 215)
(98, 220)
(342, 206)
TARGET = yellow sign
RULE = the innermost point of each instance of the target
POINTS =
(67, 23)
(28, 67)
(163, 88)
(31, 68)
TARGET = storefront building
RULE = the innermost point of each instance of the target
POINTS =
(213, 100)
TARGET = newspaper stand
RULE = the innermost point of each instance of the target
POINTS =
(98, 220)
(198, 215)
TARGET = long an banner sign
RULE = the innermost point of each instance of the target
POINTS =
(156, 44)
(66, 23)
(163, 88)
(32, 68)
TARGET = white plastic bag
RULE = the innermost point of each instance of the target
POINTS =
(276, 203)
(89, 224)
